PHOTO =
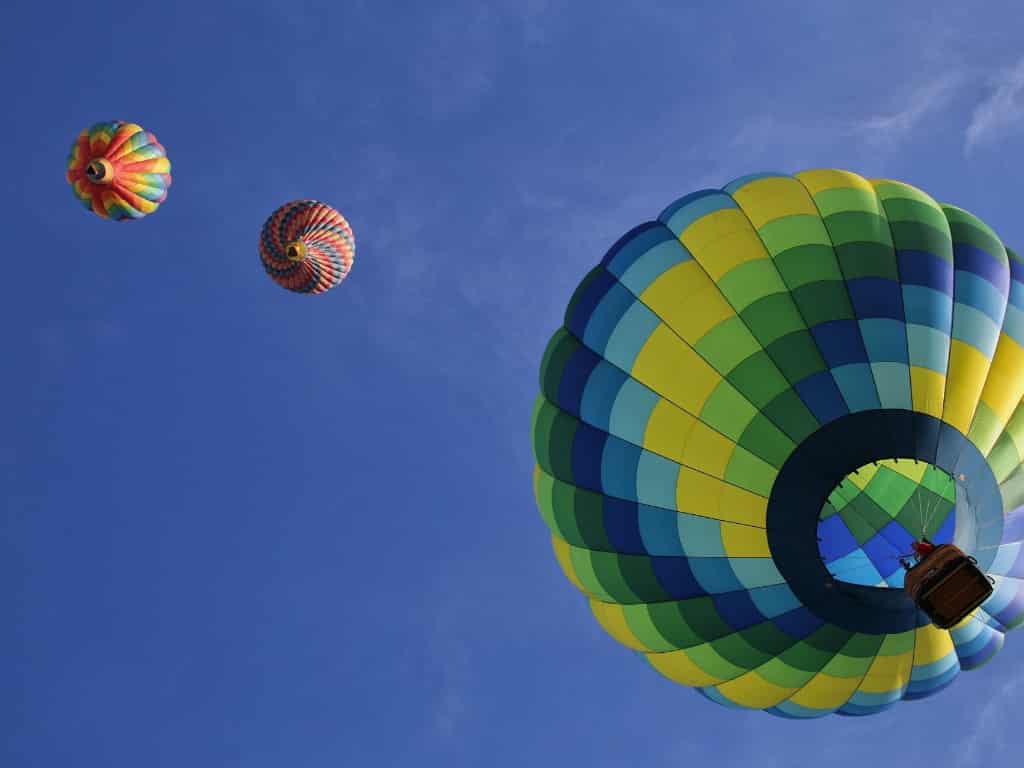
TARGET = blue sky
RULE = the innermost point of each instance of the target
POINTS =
(242, 527)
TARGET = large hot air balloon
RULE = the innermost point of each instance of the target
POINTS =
(763, 401)
(118, 170)
(306, 246)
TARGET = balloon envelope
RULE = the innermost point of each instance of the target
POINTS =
(118, 170)
(307, 246)
(722, 379)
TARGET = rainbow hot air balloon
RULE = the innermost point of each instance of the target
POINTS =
(307, 247)
(119, 171)
(758, 406)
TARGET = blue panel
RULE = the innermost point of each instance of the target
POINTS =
(821, 396)
(885, 340)
(659, 531)
(619, 518)
(656, 480)
(968, 258)
(876, 297)
(619, 462)
(631, 411)
(925, 306)
(575, 375)
(928, 348)
(737, 609)
(700, 536)
(587, 449)
(925, 269)
(629, 337)
(715, 575)
(599, 395)
(857, 385)
(686, 210)
(798, 624)
(676, 578)
(835, 539)
(840, 342)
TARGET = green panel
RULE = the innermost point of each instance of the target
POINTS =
(867, 260)
(727, 344)
(790, 411)
(968, 228)
(556, 355)
(793, 231)
(841, 199)
(773, 317)
(758, 379)
(859, 227)
(915, 236)
(824, 302)
(797, 355)
(727, 411)
(748, 471)
(808, 264)
(749, 282)
(764, 439)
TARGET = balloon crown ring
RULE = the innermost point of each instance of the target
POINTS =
(295, 251)
(99, 171)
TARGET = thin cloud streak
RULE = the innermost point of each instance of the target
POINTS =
(1000, 113)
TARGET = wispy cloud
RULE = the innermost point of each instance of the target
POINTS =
(803, 140)
(986, 738)
(893, 127)
(1000, 113)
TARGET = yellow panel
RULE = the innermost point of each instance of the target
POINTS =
(745, 541)
(863, 476)
(931, 644)
(824, 179)
(825, 692)
(674, 370)
(742, 506)
(967, 371)
(563, 554)
(678, 666)
(687, 300)
(888, 673)
(752, 690)
(913, 470)
(697, 493)
(612, 619)
(723, 240)
(708, 450)
(667, 429)
(1004, 387)
(538, 476)
(768, 199)
(928, 390)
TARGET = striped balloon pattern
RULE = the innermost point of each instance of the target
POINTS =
(325, 243)
(132, 172)
(755, 404)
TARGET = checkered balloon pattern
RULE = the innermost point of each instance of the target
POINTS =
(137, 171)
(756, 403)
(327, 240)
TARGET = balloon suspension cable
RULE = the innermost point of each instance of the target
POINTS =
(295, 251)
(99, 171)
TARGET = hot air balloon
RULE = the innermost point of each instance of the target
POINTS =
(306, 246)
(119, 171)
(756, 406)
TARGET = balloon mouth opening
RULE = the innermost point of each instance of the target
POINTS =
(871, 520)
(295, 251)
(99, 171)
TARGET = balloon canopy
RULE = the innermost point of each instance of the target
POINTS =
(719, 427)
(307, 247)
(118, 170)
